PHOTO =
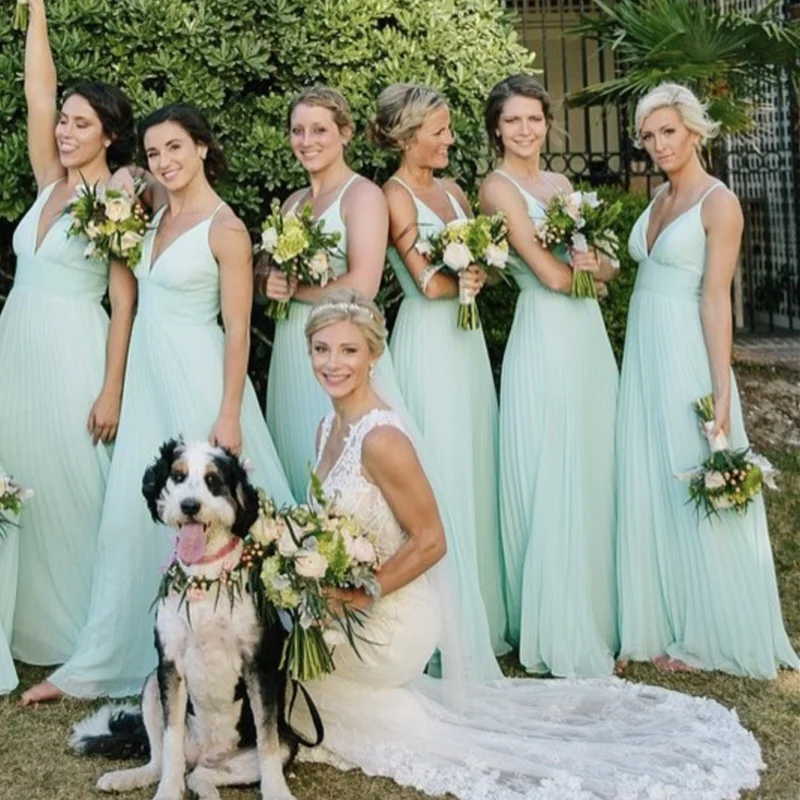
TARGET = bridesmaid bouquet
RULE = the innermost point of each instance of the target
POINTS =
(727, 478)
(12, 497)
(580, 221)
(20, 19)
(482, 242)
(299, 247)
(112, 220)
(304, 551)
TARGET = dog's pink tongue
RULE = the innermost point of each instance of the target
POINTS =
(191, 542)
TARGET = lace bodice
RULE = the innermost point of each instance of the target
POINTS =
(346, 485)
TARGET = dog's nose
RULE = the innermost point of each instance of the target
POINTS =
(190, 507)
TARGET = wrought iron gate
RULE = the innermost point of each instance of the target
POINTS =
(763, 169)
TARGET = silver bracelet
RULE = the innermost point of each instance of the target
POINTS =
(427, 274)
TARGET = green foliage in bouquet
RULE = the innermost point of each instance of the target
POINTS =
(12, 498)
(299, 247)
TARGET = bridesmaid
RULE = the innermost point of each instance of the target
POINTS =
(185, 376)
(443, 372)
(557, 405)
(61, 362)
(320, 129)
(694, 591)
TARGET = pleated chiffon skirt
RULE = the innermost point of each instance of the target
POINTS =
(700, 589)
(52, 362)
(446, 380)
(557, 408)
(173, 387)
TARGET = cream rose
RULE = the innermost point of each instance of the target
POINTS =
(496, 256)
(310, 564)
(118, 208)
(269, 238)
(319, 266)
(714, 480)
(266, 530)
(457, 256)
(361, 550)
(129, 240)
(286, 544)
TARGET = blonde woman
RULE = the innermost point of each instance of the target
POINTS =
(443, 372)
(320, 129)
(694, 591)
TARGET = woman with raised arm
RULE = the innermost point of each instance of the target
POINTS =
(61, 362)
(320, 129)
(186, 376)
(443, 371)
(515, 740)
(557, 406)
(695, 591)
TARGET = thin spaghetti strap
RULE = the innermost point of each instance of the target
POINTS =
(404, 185)
(214, 212)
(708, 191)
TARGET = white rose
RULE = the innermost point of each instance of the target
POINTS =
(579, 243)
(269, 239)
(310, 564)
(572, 205)
(319, 264)
(129, 240)
(118, 208)
(714, 480)
(360, 548)
(92, 229)
(423, 247)
(591, 199)
(266, 530)
(496, 256)
(457, 256)
(721, 502)
(286, 544)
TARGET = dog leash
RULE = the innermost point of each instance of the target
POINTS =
(316, 719)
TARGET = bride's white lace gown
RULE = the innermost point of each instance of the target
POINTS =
(602, 739)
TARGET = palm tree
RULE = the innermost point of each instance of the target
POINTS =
(727, 58)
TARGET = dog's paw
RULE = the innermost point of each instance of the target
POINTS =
(116, 782)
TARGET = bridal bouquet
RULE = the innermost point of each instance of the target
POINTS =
(580, 221)
(481, 241)
(12, 497)
(112, 220)
(727, 478)
(299, 247)
(303, 551)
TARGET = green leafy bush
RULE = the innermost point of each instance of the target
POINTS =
(497, 303)
(241, 62)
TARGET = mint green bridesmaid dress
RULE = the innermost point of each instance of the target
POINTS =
(698, 589)
(53, 333)
(446, 380)
(173, 386)
(557, 405)
(295, 401)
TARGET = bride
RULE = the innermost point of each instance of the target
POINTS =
(507, 740)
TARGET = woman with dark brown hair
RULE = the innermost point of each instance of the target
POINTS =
(557, 402)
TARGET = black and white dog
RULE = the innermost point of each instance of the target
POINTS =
(215, 706)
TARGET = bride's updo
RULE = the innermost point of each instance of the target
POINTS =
(349, 305)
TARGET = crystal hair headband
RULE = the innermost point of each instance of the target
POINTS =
(348, 307)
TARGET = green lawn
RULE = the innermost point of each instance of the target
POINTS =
(35, 764)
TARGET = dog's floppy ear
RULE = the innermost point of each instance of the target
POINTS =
(157, 474)
(242, 491)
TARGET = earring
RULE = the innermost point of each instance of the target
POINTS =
(107, 143)
(371, 371)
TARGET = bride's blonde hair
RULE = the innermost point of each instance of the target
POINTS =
(349, 305)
